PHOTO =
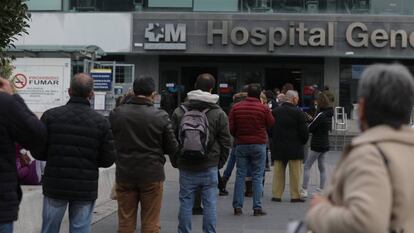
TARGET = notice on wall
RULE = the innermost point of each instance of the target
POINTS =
(99, 101)
(42, 82)
(102, 79)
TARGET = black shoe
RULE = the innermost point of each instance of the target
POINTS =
(259, 212)
(276, 199)
(238, 211)
(297, 200)
(223, 192)
(198, 211)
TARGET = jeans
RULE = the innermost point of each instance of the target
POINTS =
(230, 165)
(80, 215)
(313, 155)
(191, 182)
(6, 227)
(254, 156)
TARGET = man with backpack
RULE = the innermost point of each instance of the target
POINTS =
(203, 133)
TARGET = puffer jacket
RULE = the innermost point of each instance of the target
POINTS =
(143, 135)
(79, 142)
(370, 192)
(219, 142)
(249, 121)
(320, 127)
(17, 124)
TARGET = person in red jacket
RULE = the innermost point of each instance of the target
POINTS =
(248, 122)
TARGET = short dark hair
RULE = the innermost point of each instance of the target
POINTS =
(144, 86)
(81, 85)
(205, 82)
(388, 92)
(254, 90)
(287, 87)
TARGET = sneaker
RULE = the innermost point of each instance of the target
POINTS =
(304, 193)
(238, 211)
(318, 191)
(259, 212)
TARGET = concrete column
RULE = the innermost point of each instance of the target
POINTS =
(331, 76)
(145, 65)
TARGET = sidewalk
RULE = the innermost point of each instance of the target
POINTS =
(275, 222)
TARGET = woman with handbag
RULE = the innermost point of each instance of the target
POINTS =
(319, 127)
(372, 189)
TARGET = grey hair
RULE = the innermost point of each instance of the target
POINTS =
(291, 94)
(81, 85)
(388, 92)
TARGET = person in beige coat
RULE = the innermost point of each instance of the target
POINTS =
(372, 190)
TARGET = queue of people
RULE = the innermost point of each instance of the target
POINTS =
(369, 192)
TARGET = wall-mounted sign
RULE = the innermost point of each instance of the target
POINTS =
(164, 37)
(102, 79)
(42, 82)
(259, 34)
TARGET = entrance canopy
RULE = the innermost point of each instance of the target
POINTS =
(75, 52)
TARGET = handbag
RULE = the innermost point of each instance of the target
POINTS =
(298, 227)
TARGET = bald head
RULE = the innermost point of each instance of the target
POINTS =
(81, 85)
(292, 97)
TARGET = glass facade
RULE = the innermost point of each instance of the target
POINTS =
(381, 7)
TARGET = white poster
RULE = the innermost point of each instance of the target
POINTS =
(42, 82)
(99, 100)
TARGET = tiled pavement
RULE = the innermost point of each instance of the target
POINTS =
(278, 216)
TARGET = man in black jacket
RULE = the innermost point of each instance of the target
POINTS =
(143, 134)
(79, 142)
(17, 125)
(201, 174)
(290, 134)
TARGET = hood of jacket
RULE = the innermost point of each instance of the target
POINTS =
(199, 95)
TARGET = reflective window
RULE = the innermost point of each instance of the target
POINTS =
(44, 5)
(211, 5)
(377, 7)
(170, 3)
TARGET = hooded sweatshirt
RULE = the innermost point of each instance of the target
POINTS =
(219, 142)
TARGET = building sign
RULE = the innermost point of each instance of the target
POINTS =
(293, 34)
(164, 37)
(102, 79)
(42, 82)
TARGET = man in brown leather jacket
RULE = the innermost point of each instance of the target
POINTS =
(143, 134)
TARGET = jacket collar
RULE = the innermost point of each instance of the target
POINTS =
(252, 99)
(140, 101)
(288, 104)
(385, 133)
(79, 100)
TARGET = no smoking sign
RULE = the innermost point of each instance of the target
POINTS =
(19, 81)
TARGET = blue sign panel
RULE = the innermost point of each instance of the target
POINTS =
(102, 79)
